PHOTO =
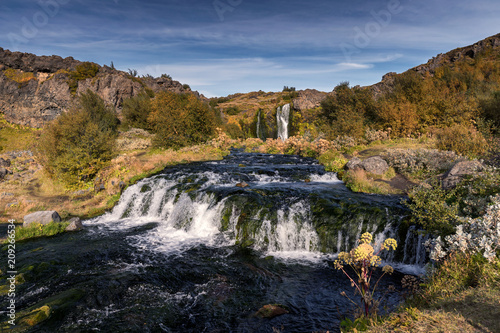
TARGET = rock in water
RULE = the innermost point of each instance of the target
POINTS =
(242, 185)
(75, 224)
(270, 311)
(43, 217)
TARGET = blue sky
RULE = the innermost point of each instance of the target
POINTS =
(220, 47)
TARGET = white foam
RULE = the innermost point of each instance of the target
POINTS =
(329, 177)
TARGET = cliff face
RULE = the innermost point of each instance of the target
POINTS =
(449, 59)
(35, 89)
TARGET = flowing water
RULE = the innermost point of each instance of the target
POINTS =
(201, 247)
(282, 120)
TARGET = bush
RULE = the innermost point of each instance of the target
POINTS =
(435, 209)
(333, 161)
(83, 71)
(464, 140)
(76, 145)
(347, 110)
(180, 120)
(136, 111)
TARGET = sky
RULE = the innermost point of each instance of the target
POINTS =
(221, 47)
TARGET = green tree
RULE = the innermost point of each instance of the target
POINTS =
(180, 120)
(77, 144)
(347, 110)
(136, 111)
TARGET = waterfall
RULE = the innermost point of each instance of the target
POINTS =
(282, 119)
(414, 249)
(258, 134)
(276, 213)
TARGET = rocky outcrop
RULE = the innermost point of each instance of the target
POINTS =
(308, 99)
(43, 217)
(46, 94)
(447, 59)
(459, 171)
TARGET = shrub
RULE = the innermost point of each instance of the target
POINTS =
(434, 208)
(491, 108)
(83, 71)
(464, 140)
(347, 110)
(333, 161)
(232, 111)
(19, 76)
(77, 144)
(179, 120)
(475, 236)
(136, 111)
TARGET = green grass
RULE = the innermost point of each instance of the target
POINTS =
(16, 137)
(39, 230)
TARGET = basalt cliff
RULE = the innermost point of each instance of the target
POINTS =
(36, 89)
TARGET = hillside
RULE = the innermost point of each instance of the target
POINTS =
(36, 89)
(456, 87)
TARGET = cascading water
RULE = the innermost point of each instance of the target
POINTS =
(282, 119)
(259, 132)
(188, 250)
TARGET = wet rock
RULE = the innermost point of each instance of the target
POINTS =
(376, 165)
(242, 185)
(43, 217)
(270, 311)
(75, 224)
(459, 171)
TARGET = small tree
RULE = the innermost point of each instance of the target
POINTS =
(363, 261)
(77, 144)
(136, 111)
(179, 120)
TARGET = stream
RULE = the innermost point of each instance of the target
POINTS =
(202, 247)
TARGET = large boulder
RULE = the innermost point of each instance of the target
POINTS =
(43, 217)
(376, 165)
(459, 171)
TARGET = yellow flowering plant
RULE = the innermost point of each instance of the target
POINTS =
(363, 260)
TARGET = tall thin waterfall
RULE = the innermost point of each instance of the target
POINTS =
(259, 129)
(282, 119)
